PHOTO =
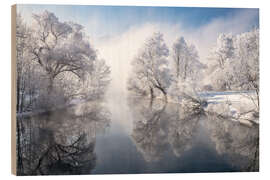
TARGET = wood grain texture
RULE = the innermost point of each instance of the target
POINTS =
(13, 89)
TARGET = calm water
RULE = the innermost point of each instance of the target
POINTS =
(129, 135)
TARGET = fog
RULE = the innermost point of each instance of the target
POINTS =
(119, 50)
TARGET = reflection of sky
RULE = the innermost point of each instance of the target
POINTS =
(160, 141)
(107, 20)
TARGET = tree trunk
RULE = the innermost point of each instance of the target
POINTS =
(151, 96)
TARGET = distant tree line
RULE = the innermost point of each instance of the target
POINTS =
(232, 64)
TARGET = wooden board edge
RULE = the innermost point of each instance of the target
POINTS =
(13, 90)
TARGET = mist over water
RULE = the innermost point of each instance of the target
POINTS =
(116, 96)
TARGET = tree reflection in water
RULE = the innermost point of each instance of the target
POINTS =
(62, 142)
(149, 133)
(163, 126)
(238, 142)
(160, 126)
(167, 138)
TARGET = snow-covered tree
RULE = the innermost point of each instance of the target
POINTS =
(246, 69)
(28, 78)
(221, 56)
(21, 51)
(98, 81)
(235, 64)
(56, 63)
(186, 60)
(150, 68)
(186, 67)
(60, 47)
(93, 86)
(179, 56)
(224, 49)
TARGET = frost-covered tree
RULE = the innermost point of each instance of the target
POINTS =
(221, 56)
(60, 47)
(93, 86)
(56, 63)
(150, 68)
(186, 60)
(27, 72)
(96, 85)
(224, 49)
(187, 68)
(236, 63)
(246, 69)
(22, 33)
(180, 56)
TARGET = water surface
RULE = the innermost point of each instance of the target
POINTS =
(131, 135)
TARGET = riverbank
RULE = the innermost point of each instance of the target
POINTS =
(238, 106)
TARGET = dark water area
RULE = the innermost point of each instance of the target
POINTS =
(133, 136)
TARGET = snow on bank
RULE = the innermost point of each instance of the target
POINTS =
(239, 106)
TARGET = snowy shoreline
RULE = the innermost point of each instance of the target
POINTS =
(234, 105)
(240, 106)
(39, 112)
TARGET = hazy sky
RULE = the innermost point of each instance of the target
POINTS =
(119, 31)
(111, 20)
